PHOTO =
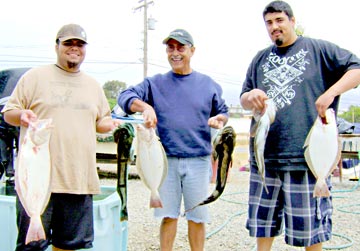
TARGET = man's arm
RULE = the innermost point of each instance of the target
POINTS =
(148, 112)
(348, 81)
(19, 117)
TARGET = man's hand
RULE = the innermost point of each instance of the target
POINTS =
(217, 121)
(149, 115)
(26, 117)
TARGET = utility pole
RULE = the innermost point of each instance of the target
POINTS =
(145, 59)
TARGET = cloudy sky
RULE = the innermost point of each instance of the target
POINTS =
(227, 34)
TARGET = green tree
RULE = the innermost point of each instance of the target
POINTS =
(299, 30)
(352, 115)
(113, 88)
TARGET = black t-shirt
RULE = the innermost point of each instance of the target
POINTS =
(295, 76)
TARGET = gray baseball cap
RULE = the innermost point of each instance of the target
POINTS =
(180, 35)
(71, 31)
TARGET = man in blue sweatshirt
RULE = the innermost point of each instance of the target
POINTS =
(183, 105)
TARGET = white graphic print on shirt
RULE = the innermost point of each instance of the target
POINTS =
(282, 74)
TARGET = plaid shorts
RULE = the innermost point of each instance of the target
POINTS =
(307, 219)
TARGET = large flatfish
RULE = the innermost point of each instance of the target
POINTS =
(323, 151)
(260, 132)
(223, 147)
(151, 162)
(32, 176)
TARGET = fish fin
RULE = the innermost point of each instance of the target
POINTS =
(155, 201)
(266, 189)
(214, 196)
(264, 183)
(321, 189)
(35, 231)
(309, 162)
(307, 140)
(337, 159)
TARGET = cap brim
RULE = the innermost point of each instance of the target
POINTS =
(62, 39)
(182, 41)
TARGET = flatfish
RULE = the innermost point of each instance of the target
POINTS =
(151, 162)
(32, 176)
(323, 151)
(223, 147)
(260, 132)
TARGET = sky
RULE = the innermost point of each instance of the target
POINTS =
(227, 35)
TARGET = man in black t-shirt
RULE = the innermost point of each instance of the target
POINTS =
(304, 77)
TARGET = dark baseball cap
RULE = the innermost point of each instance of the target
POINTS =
(180, 35)
(71, 31)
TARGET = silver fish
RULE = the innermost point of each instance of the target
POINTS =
(323, 151)
(223, 147)
(151, 162)
(32, 176)
(260, 132)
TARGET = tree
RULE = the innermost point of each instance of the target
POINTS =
(352, 115)
(299, 30)
(113, 88)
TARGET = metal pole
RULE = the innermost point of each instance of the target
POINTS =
(145, 6)
(145, 39)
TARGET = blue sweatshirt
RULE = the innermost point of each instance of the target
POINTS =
(183, 105)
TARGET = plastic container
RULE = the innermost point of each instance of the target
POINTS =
(110, 233)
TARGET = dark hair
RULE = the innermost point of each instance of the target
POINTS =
(278, 6)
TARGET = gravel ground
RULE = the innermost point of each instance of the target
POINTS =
(227, 230)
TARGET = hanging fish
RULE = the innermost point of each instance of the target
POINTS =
(323, 151)
(123, 136)
(223, 146)
(260, 132)
(32, 176)
(151, 162)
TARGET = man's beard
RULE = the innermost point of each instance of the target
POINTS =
(279, 42)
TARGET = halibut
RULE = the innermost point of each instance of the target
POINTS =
(151, 162)
(32, 176)
(323, 151)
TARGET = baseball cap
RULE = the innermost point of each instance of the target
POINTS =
(71, 31)
(180, 35)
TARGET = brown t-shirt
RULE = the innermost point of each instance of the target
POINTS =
(75, 102)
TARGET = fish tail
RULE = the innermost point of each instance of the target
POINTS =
(321, 189)
(215, 195)
(262, 176)
(211, 198)
(192, 208)
(264, 184)
(266, 189)
(155, 201)
(36, 230)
